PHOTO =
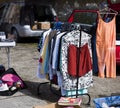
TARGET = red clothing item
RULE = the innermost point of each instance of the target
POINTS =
(85, 63)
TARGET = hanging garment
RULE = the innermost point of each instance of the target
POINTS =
(45, 52)
(42, 39)
(48, 50)
(68, 92)
(51, 49)
(56, 51)
(85, 63)
(69, 82)
(105, 47)
(94, 53)
(42, 47)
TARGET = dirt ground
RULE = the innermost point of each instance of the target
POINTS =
(24, 59)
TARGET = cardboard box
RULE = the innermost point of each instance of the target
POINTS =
(43, 25)
(54, 105)
(34, 27)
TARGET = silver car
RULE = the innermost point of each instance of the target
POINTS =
(22, 20)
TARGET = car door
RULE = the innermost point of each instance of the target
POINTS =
(115, 5)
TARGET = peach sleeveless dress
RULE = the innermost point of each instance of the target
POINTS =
(106, 47)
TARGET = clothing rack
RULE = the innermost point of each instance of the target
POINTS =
(78, 63)
(68, 27)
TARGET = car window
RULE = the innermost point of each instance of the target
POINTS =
(85, 18)
(26, 15)
(42, 13)
(1, 10)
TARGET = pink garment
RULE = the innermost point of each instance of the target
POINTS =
(10, 79)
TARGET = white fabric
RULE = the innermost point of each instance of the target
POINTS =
(55, 51)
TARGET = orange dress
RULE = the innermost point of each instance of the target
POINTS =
(106, 47)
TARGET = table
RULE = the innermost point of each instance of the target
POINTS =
(7, 45)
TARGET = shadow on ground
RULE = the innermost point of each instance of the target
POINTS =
(29, 40)
(44, 92)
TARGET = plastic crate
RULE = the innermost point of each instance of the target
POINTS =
(111, 101)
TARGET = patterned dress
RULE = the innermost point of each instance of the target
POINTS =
(69, 82)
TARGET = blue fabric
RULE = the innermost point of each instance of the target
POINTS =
(94, 55)
(93, 45)
(73, 92)
(46, 66)
(57, 25)
(112, 101)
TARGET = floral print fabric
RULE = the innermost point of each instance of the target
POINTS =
(69, 82)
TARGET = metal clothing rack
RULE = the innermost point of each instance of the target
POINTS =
(78, 63)
(58, 94)
(50, 82)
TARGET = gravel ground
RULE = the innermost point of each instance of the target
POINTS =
(24, 59)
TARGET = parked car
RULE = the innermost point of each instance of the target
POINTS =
(82, 16)
(21, 19)
(115, 4)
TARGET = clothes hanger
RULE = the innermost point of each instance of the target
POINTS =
(108, 10)
(106, 13)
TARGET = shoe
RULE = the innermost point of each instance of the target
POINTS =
(4, 87)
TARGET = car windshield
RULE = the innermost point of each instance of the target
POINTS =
(85, 17)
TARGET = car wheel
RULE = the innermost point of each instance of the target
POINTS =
(15, 35)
